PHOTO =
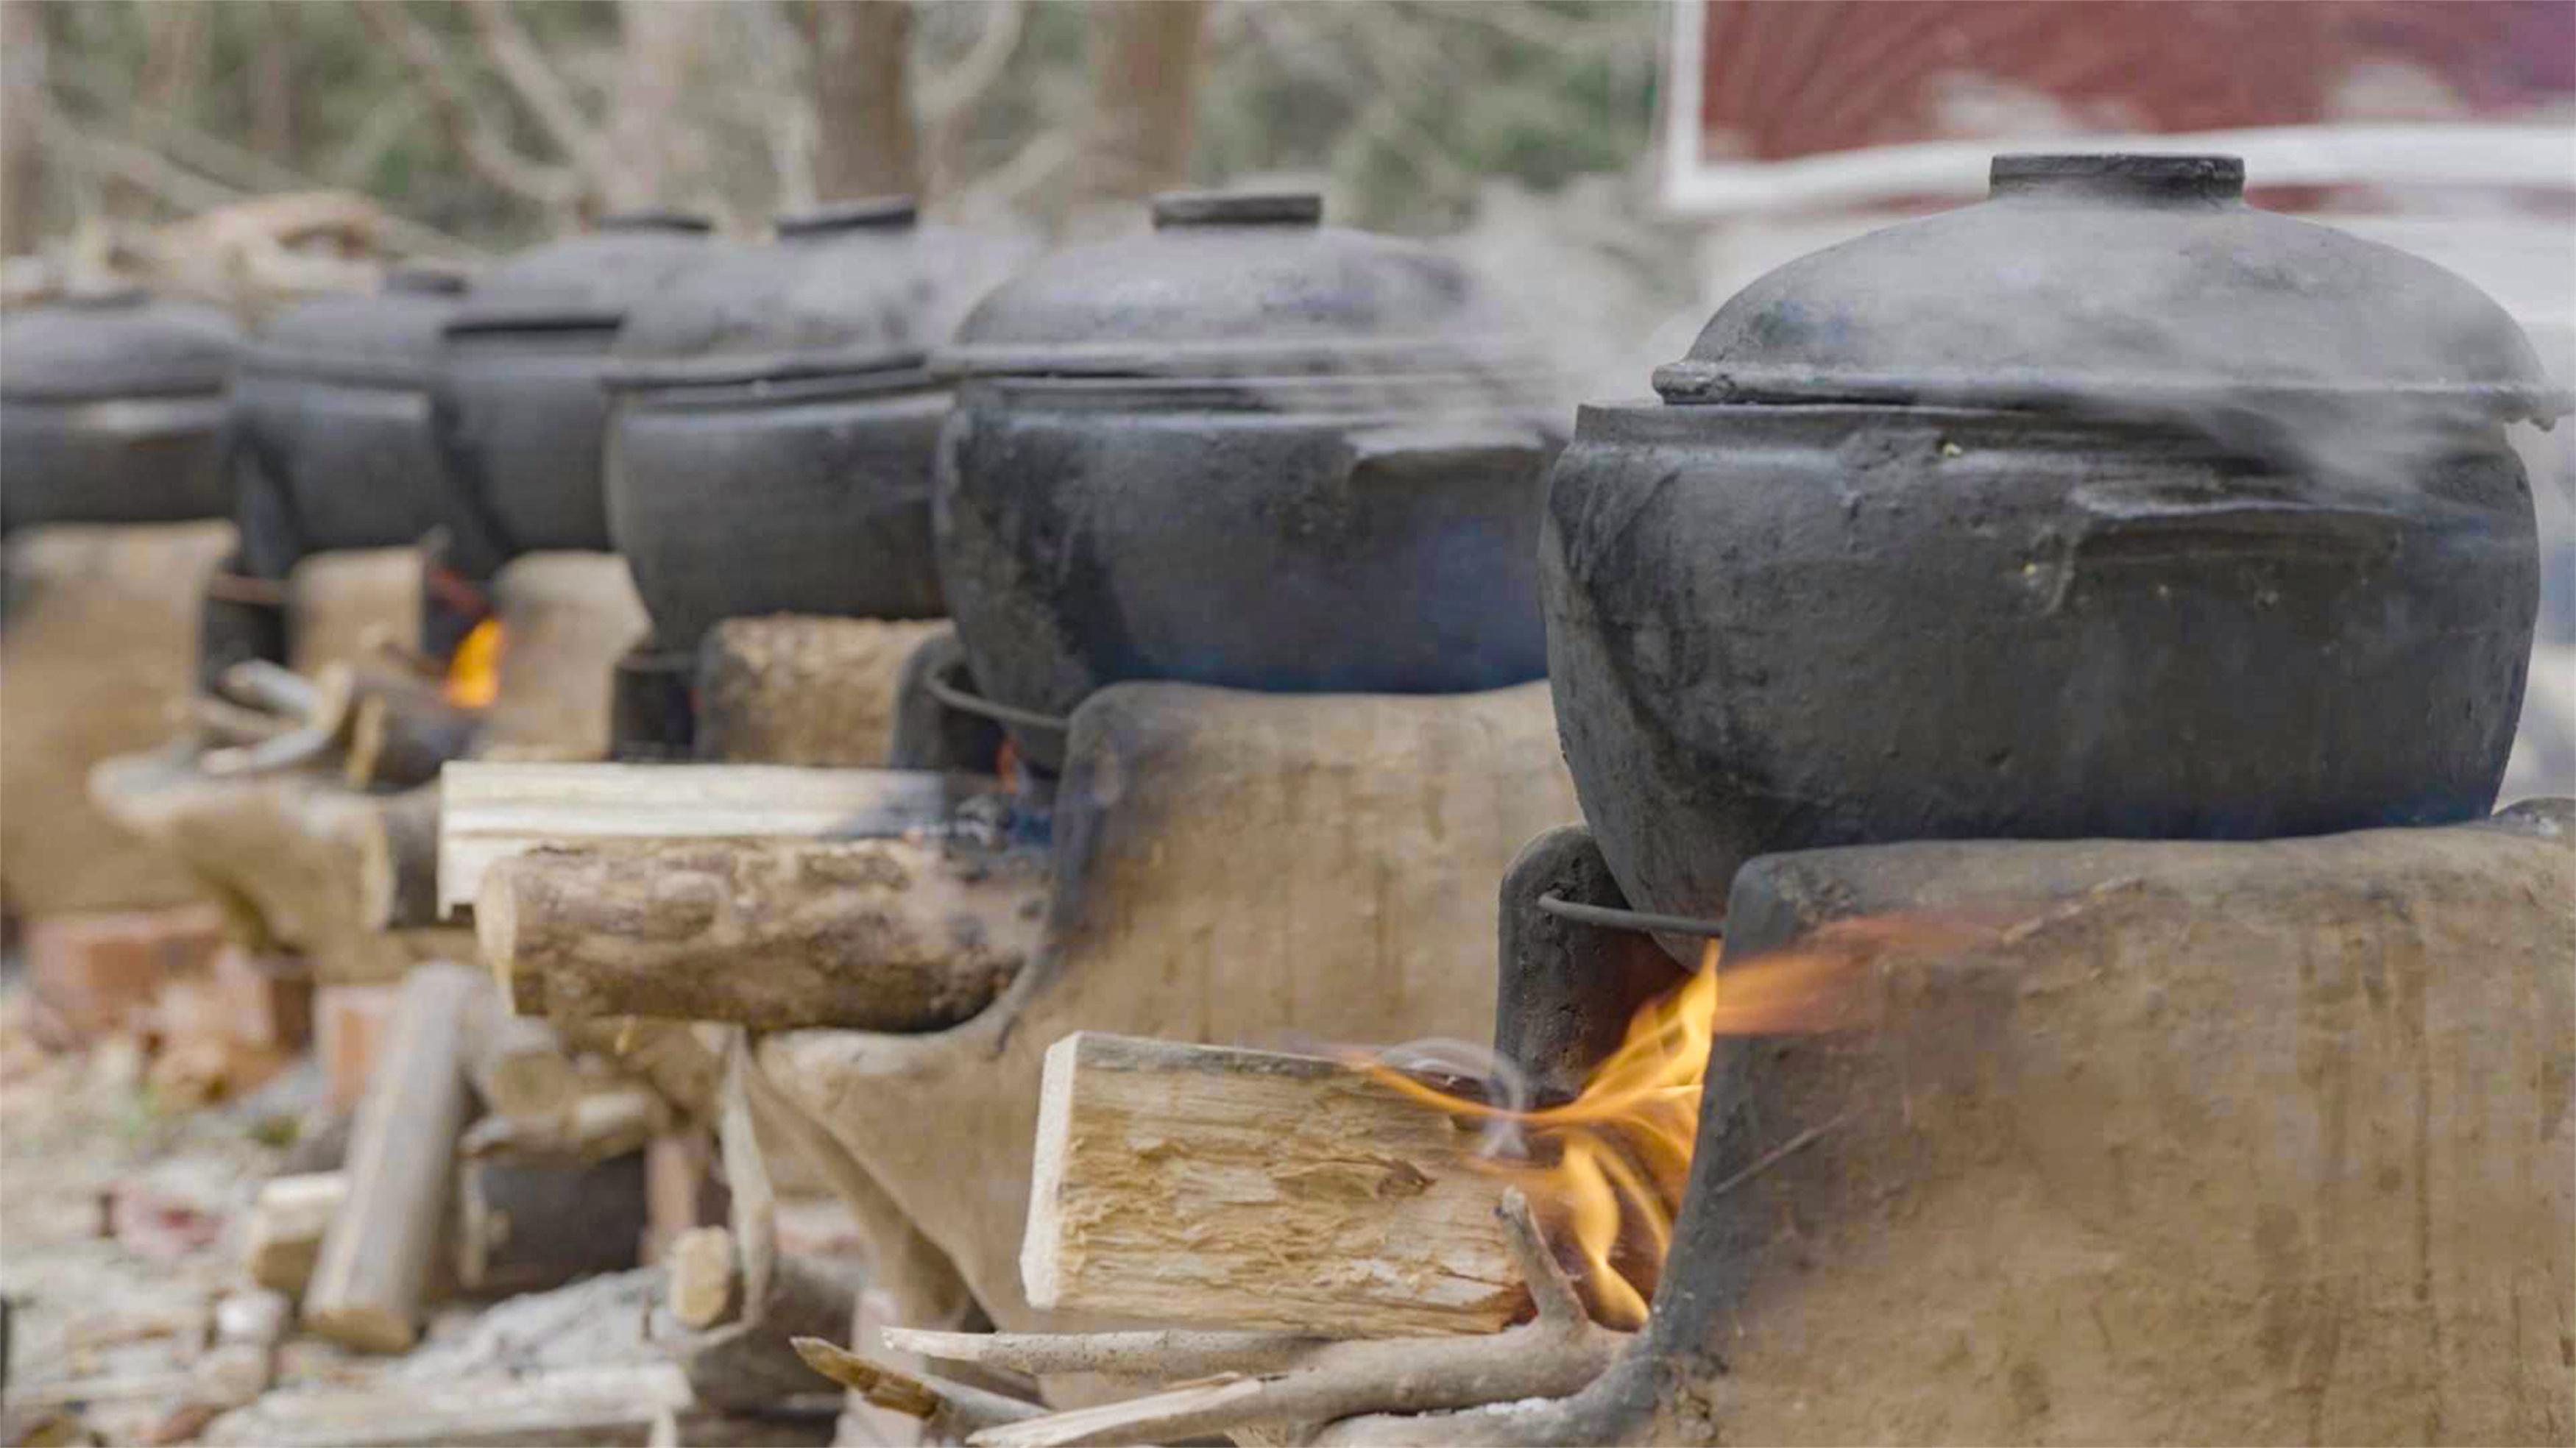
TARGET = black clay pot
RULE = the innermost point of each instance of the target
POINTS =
(1245, 450)
(112, 410)
(770, 443)
(332, 440)
(519, 405)
(2107, 507)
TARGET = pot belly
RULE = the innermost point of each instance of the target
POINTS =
(1916, 639)
(1245, 550)
(113, 460)
(819, 508)
(520, 428)
(358, 464)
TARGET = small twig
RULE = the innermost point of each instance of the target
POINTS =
(263, 685)
(233, 724)
(283, 751)
(952, 1409)
(1169, 1355)
(1551, 1291)
(1558, 1354)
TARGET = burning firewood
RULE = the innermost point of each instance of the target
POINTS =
(1201, 1184)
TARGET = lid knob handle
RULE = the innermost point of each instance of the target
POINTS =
(2119, 176)
(887, 213)
(682, 221)
(1237, 208)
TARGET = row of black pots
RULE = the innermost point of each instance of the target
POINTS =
(2108, 506)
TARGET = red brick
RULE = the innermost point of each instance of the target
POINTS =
(267, 1000)
(100, 971)
(348, 1029)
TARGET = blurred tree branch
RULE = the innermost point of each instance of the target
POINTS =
(865, 141)
(1144, 58)
(442, 79)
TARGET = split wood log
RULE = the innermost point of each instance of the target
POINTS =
(880, 934)
(366, 1289)
(527, 1225)
(798, 689)
(608, 1405)
(100, 646)
(1202, 1184)
(565, 620)
(491, 811)
(398, 861)
(1286, 1386)
(288, 1220)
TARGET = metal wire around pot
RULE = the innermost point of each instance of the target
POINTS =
(976, 704)
(1642, 922)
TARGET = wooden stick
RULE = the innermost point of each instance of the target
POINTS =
(492, 811)
(882, 934)
(288, 1220)
(375, 1260)
(1183, 1183)
(1559, 1353)
(398, 862)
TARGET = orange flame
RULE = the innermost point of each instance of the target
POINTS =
(474, 673)
(1607, 1169)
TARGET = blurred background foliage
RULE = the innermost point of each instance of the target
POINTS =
(491, 122)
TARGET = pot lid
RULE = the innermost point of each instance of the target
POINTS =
(1240, 284)
(115, 343)
(2127, 281)
(856, 286)
(392, 332)
(592, 279)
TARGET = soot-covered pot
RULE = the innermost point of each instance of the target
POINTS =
(1244, 449)
(112, 410)
(770, 443)
(519, 404)
(2107, 507)
(331, 415)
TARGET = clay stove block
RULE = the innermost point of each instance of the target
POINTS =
(99, 970)
(2207, 1142)
(99, 652)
